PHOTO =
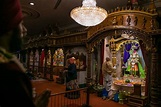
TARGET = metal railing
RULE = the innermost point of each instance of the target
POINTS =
(73, 98)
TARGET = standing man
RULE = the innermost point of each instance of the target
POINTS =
(16, 88)
(107, 70)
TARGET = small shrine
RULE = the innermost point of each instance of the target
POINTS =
(132, 69)
(129, 36)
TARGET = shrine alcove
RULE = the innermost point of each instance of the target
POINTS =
(129, 26)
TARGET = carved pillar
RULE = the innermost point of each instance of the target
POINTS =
(98, 66)
(45, 68)
(52, 50)
(113, 50)
(123, 69)
(159, 76)
(159, 70)
(89, 67)
(39, 63)
(88, 73)
(155, 73)
(33, 63)
(65, 53)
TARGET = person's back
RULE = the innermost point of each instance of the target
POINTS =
(72, 73)
(15, 87)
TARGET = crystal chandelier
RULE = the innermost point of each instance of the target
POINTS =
(89, 14)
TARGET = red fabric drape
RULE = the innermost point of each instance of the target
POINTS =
(147, 64)
(101, 59)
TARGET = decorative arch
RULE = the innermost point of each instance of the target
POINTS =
(97, 37)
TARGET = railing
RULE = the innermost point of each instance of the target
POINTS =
(73, 98)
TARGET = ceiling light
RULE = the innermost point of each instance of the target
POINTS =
(89, 14)
(32, 3)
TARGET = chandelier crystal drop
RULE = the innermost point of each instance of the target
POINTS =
(89, 14)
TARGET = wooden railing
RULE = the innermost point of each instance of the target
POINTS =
(64, 99)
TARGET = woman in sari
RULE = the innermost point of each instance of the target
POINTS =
(71, 80)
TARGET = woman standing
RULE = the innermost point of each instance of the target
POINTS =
(71, 80)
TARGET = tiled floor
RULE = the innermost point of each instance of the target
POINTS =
(95, 101)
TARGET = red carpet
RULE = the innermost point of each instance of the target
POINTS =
(56, 88)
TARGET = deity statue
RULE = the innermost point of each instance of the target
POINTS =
(134, 66)
(133, 62)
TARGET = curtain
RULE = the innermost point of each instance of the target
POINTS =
(102, 59)
(126, 52)
(42, 58)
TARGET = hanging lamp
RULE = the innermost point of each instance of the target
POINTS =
(89, 14)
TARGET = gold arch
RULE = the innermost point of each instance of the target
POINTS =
(118, 46)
